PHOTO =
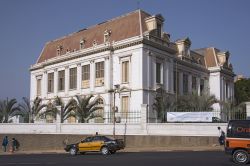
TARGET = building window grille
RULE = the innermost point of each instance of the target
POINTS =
(85, 76)
(158, 73)
(50, 82)
(61, 80)
(82, 44)
(73, 78)
(38, 87)
(125, 72)
(99, 74)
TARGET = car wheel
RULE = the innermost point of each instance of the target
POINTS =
(105, 150)
(82, 153)
(240, 157)
(73, 151)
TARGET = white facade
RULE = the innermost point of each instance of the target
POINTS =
(143, 53)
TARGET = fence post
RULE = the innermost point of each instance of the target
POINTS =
(248, 110)
(58, 120)
(144, 113)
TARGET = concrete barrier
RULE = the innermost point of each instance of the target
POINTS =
(165, 129)
(36, 142)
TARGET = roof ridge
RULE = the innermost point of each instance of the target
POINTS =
(107, 21)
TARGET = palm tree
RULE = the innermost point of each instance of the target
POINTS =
(33, 111)
(195, 103)
(84, 109)
(65, 111)
(8, 109)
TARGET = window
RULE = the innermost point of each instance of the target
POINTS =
(85, 76)
(99, 74)
(125, 72)
(82, 43)
(59, 50)
(194, 84)
(124, 109)
(202, 86)
(50, 82)
(38, 87)
(61, 80)
(227, 94)
(158, 73)
(107, 34)
(99, 113)
(72, 78)
(159, 30)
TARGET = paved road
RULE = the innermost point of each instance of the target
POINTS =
(121, 159)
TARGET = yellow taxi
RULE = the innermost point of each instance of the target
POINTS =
(102, 144)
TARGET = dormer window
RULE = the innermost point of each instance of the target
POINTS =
(107, 34)
(82, 43)
(94, 43)
(158, 29)
(59, 50)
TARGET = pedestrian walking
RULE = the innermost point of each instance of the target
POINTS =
(14, 144)
(221, 136)
(5, 143)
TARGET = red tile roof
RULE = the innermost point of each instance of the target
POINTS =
(122, 27)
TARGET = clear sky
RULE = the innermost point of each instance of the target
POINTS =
(26, 25)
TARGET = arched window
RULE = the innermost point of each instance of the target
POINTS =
(100, 112)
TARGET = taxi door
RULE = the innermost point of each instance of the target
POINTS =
(96, 145)
(85, 145)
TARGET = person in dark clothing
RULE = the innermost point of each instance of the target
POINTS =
(5, 143)
(15, 144)
(221, 137)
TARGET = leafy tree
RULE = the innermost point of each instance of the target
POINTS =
(194, 103)
(84, 109)
(242, 90)
(163, 102)
(8, 109)
(32, 110)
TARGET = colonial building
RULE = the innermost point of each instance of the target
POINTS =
(124, 60)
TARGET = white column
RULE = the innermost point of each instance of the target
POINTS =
(45, 85)
(92, 76)
(66, 81)
(150, 72)
(222, 89)
(107, 74)
(166, 82)
(33, 86)
(189, 83)
(55, 82)
(154, 74)
(198, 85)
(79, 78)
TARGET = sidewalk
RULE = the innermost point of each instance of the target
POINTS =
(129, 149)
